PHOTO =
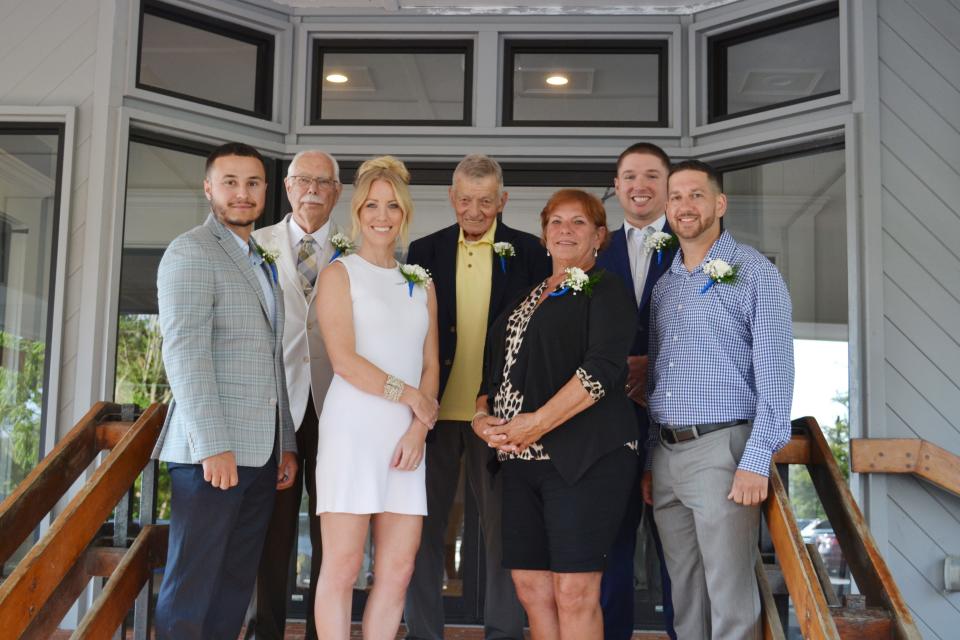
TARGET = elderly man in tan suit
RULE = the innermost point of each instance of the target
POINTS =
(302, 242)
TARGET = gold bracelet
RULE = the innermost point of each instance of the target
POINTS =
(393, 388)
(477, 415)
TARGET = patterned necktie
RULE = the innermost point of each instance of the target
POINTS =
(307, 263)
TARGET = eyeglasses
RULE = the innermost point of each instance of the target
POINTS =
(304, 182)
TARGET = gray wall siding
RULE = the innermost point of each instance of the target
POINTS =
(919, 85)
(49, 48)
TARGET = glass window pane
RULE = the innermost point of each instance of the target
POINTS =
(29, 179)
(774, 64)
(604, 85)
(188, 56)
(393, 84)
(794, 211)
(164, 199)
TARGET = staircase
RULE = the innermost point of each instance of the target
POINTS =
(879, 612)
(56, 571)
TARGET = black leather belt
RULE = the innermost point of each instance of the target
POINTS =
(684, 433)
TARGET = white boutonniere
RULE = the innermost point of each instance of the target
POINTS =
(504, 250)
(659, 241)
(270, 257)
(719, 272)
(414, 274)
(341, 244)
(577, 280)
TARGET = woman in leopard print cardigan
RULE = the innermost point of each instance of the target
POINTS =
(553, 405)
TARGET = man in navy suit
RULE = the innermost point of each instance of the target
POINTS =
(479, 267)
(641, 188)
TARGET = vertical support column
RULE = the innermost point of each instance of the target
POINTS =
(142, 614)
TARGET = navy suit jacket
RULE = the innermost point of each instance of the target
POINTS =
(616, 260)
(438, 253)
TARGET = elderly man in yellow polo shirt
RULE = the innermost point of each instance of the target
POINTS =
(479, 266)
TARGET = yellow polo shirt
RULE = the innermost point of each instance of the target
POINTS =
(474, 264)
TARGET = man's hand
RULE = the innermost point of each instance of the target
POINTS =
(287, 471)
(221, 470)
(646, 487)
(637, 379)
(749, 488)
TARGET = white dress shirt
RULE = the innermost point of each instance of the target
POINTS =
(638, 252)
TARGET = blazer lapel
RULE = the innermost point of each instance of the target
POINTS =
(499, 275)
(656, 269)
(619, 260)
(446, 275)
(287, 262)
(232, 249)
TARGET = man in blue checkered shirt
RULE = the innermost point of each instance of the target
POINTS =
(720, 390)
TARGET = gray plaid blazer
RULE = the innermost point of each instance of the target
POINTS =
(224, 360)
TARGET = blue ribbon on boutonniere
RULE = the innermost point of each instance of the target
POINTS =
(559, 292)
(410, 288)
(504, 250)
(341, 245)
(718, 271)
(273, 272)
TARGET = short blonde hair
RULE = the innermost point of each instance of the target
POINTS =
(395, 173)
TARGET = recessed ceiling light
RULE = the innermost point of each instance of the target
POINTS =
(337, 78)
(557, 80)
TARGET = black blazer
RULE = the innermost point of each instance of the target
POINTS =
(566, 333)
(438, 253)
(616, 259)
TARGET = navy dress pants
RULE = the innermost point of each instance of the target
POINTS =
(214, 547)
(616, 587)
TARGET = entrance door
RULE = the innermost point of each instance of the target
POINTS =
(529, 186)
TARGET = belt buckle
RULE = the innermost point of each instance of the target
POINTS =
(687, 434)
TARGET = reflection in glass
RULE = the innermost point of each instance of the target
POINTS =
(164, 199)
(794, 211)
(591, 87)
(224, 65)
(29, 166)
(391, 85)
(768, 65)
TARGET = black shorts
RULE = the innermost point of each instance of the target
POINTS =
(550, 525)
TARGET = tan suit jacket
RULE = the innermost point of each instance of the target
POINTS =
(304, 355)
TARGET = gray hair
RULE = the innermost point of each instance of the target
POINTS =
(314, 152)
(478, 165)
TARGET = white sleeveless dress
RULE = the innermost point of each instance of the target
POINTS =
(358, 431)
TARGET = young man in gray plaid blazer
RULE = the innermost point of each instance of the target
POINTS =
(228, 438)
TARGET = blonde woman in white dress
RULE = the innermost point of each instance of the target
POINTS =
(380, 329)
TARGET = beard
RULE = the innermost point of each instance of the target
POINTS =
(235, 218)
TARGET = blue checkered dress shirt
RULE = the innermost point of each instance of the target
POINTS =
(724, 354)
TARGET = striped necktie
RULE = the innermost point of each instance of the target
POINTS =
(307, 263)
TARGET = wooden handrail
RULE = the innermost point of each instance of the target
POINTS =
(148, 552)
(882, 613)
(33, 498)
(907, 455)
(26, 591)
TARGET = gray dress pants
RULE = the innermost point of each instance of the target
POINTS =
(709, 542)
(503, 616)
